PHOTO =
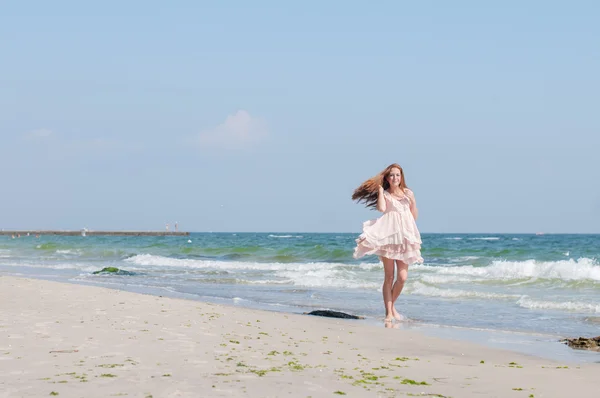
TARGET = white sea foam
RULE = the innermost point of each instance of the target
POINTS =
(368, 266)
(315, 279)
(68, 251)
(454, 238)
(239, 300)
(148, 260)
(327, 278)
(486, 238)
(576, 306)
(580, 269)
(285, 236)
(443, 279)
(424, 290)
(462, 259)
(333, 275)
(266, 282)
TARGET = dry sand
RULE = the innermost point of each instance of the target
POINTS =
(69, 340)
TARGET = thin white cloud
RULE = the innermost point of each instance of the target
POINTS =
(39, 134)
(239, 130)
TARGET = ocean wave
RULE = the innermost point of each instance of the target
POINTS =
(572, 270)
(367, 266)
(486, 238)
(442, 279)
(68, 251)
(266, 282)
(333, 275)
(463, 259)
(432, 291)
(329, 278)
(149, 260)
(285, 236)
(575, 306)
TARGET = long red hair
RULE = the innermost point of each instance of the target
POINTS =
(368, 191)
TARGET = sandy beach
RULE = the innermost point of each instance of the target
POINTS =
(67, 340)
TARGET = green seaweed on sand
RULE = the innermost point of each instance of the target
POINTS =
(415, 383)
(262, 372)
(113, 271)
(293, 365)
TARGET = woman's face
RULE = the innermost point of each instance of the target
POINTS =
(394, 178)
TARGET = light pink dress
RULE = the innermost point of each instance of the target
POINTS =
(393, 235)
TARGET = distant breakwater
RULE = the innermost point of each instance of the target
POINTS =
(92, 233)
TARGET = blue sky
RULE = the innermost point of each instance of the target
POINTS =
(265, 115)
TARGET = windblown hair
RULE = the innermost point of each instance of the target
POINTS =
(368, 191)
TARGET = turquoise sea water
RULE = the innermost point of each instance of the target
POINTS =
(546, 284)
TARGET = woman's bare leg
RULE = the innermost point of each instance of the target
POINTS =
(388, 280)
(402, 275)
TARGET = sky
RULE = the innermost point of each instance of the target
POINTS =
(264, 116)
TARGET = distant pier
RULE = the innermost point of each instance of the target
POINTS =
(93, 233)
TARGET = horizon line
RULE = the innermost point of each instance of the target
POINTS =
(539, 233)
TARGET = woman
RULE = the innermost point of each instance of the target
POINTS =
(394, 236)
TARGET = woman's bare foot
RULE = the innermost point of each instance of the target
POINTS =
(397, 315)
(391, 325)
(388, 318)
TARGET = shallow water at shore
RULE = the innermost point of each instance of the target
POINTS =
(542, 285)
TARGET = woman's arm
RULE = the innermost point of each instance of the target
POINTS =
(381, 206)
(413, 204)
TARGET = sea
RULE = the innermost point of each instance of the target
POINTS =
(516, 291)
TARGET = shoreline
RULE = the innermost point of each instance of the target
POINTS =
(75, 339)
(538, 344)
